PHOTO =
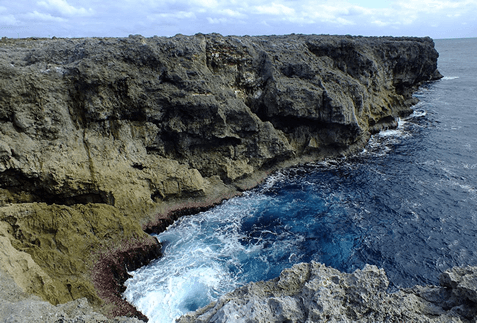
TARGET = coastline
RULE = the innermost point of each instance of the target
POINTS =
(103, 139)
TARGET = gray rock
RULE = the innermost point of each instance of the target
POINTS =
(312, 292)
(462, 281)
(5, 151)
(34, 310)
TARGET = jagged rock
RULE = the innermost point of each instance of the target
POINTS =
(101, 138)
(312, 292)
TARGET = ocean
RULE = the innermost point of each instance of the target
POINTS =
(407, 203)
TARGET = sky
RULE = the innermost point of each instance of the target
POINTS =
(120, 18)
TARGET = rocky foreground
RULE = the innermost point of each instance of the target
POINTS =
(312, 292)
(103, 140)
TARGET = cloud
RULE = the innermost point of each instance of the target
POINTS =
(64, 8)
(37, 16)
(8, 20)
(239, 17)
(274, 9)
(308, 12)
(379, 23)
(344, 22)
(411, 12)
(231, 13)
(216, 20)
(205, 3)
(432, 6)
(172, 15)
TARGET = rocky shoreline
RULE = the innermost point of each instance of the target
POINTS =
(105, 139)
(312, 292)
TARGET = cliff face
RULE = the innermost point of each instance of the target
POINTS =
(102, 138)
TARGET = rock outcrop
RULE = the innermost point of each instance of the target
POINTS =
(16, 306)
(312, 292)
(103, 138)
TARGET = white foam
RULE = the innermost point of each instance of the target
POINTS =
(197, 265)
(207, 255)
(390, 133)
(450, 77)
(397, 132)
(417, 114)
(171, 295)
(273, 179)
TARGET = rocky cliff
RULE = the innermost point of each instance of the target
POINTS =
(102, 139)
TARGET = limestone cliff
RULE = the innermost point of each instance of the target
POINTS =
(103, 138)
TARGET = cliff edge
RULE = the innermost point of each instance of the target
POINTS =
(102, 139)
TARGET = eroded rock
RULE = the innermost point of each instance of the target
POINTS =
(18, 307)
(312, 292)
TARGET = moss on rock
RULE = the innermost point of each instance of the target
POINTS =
(61, 245)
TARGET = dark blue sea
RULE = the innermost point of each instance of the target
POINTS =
(406, 203)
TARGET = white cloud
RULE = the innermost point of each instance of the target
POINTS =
(433, 5)
(8, 20)
(274, 9)
(231, 13)
(205, 3)
(174, 15)
(421, 12)
(344, 22)
(216, 20)
(380, 23)
(64, 8)
(35, 15)
(313, 14)
(438, 8)
(169, 17)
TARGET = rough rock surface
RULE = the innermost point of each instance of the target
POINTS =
(16, 306)
(312, 292)
(102, 138)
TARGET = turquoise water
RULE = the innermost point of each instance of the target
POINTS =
(407, 203)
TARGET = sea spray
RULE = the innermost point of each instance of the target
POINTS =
(245, 239)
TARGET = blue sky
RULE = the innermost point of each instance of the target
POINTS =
(120, 18)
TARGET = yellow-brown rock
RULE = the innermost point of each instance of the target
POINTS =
(53, 246)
